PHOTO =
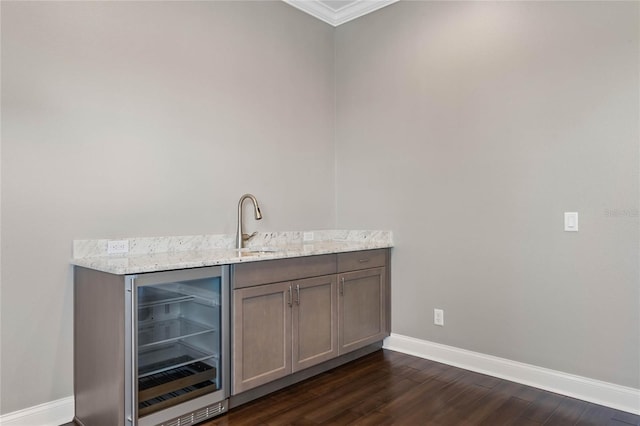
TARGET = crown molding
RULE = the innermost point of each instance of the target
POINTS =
(345, 14)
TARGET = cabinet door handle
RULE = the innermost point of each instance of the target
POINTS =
(342, 286)
(365, 260)
(298, 294)
(290, 297)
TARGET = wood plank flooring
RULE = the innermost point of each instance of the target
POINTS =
(391, 388)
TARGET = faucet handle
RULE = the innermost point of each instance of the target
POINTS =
(247, 237)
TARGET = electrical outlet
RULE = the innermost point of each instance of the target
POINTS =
(438, 317)
(307, 236)
(118, 247)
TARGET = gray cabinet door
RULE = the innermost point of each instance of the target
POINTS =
(361, 308)
(315, 321)
(261, 335)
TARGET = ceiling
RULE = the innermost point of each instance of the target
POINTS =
(336, 12)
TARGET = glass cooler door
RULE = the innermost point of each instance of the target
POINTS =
(179, 342)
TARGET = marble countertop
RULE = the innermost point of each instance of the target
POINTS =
(170, 253)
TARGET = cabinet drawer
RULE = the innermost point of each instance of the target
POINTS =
(272, 271)
(356, 260)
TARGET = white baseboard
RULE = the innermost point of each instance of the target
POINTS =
(52, 413)
(596, 391)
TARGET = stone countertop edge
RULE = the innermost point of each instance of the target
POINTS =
(286, 245)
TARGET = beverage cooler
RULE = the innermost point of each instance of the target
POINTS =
(178, 335)
(150, 349)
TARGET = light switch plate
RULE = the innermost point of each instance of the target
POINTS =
(571, 221)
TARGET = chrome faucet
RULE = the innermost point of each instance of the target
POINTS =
(241, 237)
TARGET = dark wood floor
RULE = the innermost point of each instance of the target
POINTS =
(389, 387)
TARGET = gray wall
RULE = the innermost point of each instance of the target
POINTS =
(144, 119)
(468, 129)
